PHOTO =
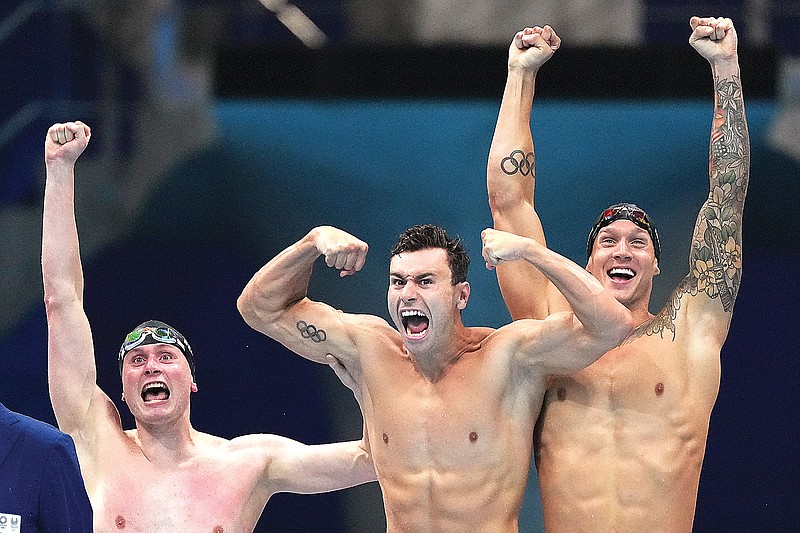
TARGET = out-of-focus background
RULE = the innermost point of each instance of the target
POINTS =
(223, 130)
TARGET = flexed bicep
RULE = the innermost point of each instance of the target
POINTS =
(275, 300)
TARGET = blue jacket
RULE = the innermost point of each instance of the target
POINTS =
(41, 487)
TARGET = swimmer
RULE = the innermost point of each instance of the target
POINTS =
(620, 444)
(163, 475)
(450, 410)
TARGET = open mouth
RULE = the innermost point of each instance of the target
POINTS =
(156, 391)
(621, 274)
(415, 324)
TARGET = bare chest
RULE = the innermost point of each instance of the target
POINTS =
(473, 418)
(650, 388)
(204, 497)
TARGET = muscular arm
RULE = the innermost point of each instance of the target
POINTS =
(567, 341)
(715, 259)
(275, 300)
(71, 366)
(307, 469)
(511, 175)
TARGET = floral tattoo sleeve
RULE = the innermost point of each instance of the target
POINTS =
(715, 260)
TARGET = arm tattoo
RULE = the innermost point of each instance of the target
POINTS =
(715, 260)
(309, 331)
(518, 162)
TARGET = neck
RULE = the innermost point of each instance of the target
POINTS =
(434, 362)
(169, 443)
(640, 310)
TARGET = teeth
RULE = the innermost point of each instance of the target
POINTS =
(623, 271)
(405, 314)
(154, 385)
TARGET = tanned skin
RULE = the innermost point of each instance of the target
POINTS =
(620, 444)
(450, 409)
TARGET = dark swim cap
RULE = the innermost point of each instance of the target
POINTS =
(156, 332)
(627, 212)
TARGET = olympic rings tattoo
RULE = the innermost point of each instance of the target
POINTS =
(518, 161)
(309, 331)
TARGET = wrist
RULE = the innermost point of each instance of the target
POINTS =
(725, 67)
(515, 69)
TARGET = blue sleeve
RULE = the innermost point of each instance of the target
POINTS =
(63, 502)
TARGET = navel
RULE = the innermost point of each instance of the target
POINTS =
(561, 394)
(119, 522)
(473, 437)
(385, 438)
(219, 529)
(659, 389)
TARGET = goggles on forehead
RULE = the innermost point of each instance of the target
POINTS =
(634, 214)
(628, 212)
(156, 332)
(160, 334)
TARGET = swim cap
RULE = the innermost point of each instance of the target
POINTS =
(156, 332)
(627, 212)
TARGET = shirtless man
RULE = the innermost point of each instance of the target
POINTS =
(164, 475)
(620, 444)
(450, 409)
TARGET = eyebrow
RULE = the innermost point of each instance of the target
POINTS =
(416, 277)
(636, 230)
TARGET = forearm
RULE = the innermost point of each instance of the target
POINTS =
(598, 311)
(279, 284)
(309, 469)
(61, 263)
(729, 154)
(715, 260)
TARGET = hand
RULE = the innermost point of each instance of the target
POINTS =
(341, 250)
(499, 246)
(713, 38)
(532, 47)
(66, 142)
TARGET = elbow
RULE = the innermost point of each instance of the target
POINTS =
(258, 313)
(503, 200)
(253, 315)
(365, 466)
(620, 329)
(58, 298)
(613, 331)
(245, 307)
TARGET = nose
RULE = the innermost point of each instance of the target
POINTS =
(622, 250)
(151, 367)
(409, 293)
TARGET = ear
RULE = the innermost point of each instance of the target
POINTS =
(123, 397)
(194, 386)
(656, 270)
(463, 295)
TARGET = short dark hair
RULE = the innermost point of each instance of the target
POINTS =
(426, 236)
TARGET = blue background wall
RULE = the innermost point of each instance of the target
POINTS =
(374, 168)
